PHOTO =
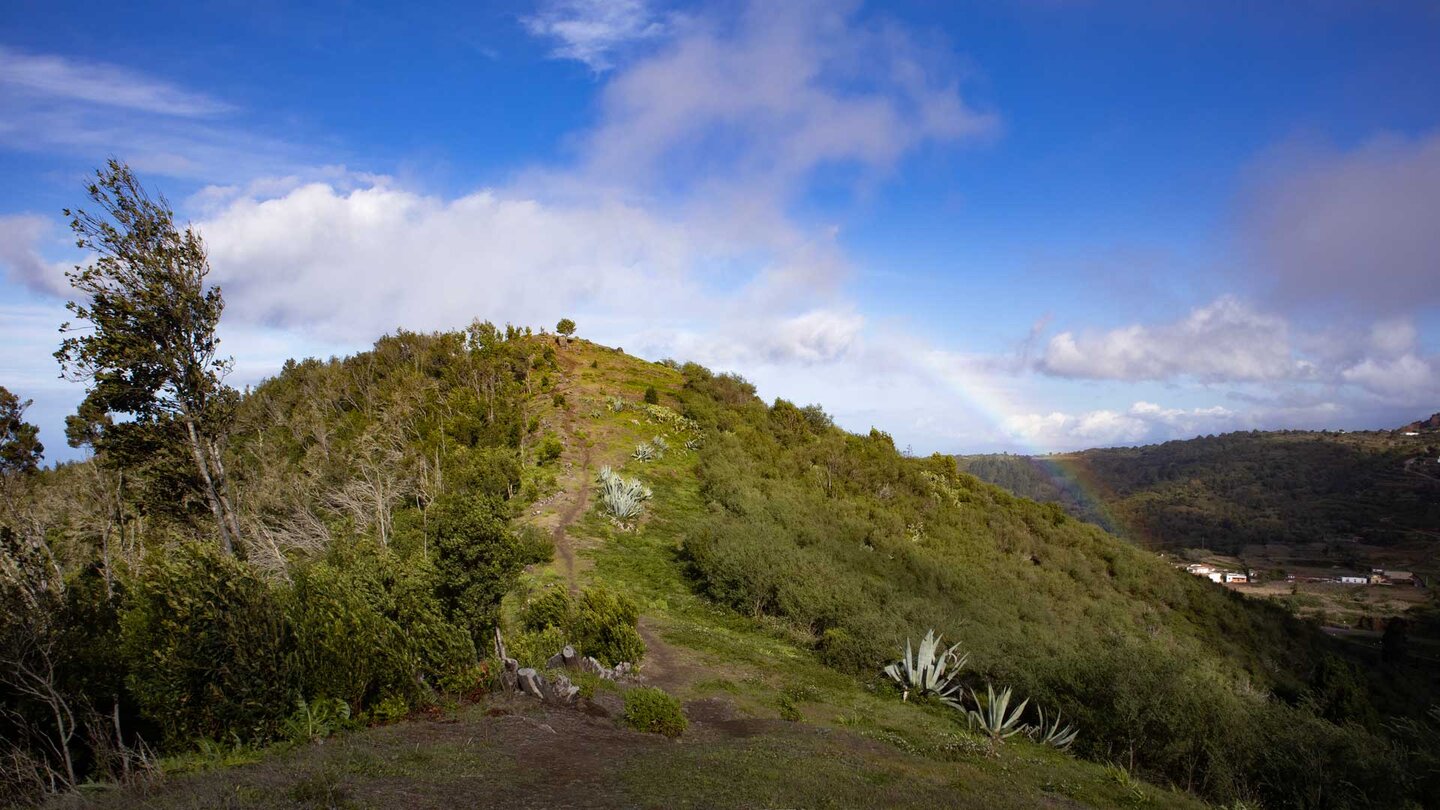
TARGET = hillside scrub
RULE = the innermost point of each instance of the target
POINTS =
(859, 547)
(375, 497)
(379, 499)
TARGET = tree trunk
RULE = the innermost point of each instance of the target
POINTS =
(222, 488)
(197, 450)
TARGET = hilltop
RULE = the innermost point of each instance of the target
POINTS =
(777, 564)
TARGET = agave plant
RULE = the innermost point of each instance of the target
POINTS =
(994, 715)
(660, 444)
(692, 444)
(644, 451)
(928, 671)
(623, 498)
(617, 404)
(1054, 732)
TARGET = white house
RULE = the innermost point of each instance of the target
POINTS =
(1231, 576)
(1354, 579)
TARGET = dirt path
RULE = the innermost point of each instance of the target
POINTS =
(560, 536)
(579, 497)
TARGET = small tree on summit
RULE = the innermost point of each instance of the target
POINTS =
(148, 349)
(565, 327)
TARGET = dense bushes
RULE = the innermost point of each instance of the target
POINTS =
(210, 649)
(601, 623)
(216, 652)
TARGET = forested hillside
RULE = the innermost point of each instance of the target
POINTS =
(1226, 492)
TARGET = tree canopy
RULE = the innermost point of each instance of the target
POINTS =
(147, 348)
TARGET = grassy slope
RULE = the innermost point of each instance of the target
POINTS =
(851, 746)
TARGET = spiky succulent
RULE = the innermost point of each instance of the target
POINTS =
(644, 451)
(622, 497)
(929, 671)
(1054, 732)
(994, 715)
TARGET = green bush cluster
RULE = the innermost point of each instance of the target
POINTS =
(601, 623)
(653, 710)
(215, 651)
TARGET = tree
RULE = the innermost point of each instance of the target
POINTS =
(149, 351)
(565, 327)
(20, 449)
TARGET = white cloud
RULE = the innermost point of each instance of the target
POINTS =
(1141, 422)
(20, 237)
(1226, 340)
(592, 31)
(92, 110)
(48, 77)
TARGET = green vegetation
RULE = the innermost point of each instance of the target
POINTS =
(1226, 492)
(601, 623)
(994, 715)
(381, 516)
(654, 710)
(854, 546)
(929, 670)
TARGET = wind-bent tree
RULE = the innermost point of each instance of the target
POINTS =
(148, 349)
(20, 447)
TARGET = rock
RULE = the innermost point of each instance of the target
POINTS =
(590, 665)
(561, 692)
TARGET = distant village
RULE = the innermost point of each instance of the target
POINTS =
(1376, 576)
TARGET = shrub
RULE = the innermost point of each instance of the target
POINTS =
(369, 626)
(653, 710)
(605, 624)
(550, 448)
(652, 396)
(210, 651)
(347, 648)
(315, 720)
(477, 558)
(601, 623)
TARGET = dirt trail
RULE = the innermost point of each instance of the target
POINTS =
(579, 497)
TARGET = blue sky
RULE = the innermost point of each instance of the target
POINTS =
(1027, 226)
